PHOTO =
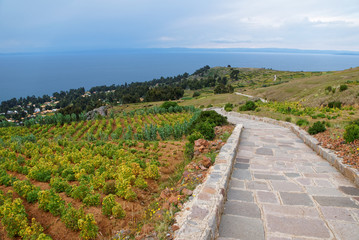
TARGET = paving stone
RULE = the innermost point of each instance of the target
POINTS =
(234, 183)
(244, 209)
(266, 197)
(289, 198)
(247, 143)
(242, 174)
(335, 201)
(306, 227)
(323, 183)
(285, 186)
(292, 175)
(241, 165)
(349, 190)
(345, 230)
(257, 185)
(305, 169)
(287, 210)
(334, 213)
(269, 177)
(238, 227)
(277, 238)
(304, 181)
(264, 151)
(259, 167)
(324, 191)
(324, 169)
(242, 160)
(240, 195)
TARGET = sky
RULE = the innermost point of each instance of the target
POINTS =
(67, 25)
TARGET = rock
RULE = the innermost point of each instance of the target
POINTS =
(97, 111)
(187, 192)
(175, 227)
(173, 199)
(164, 194)
(206, 162)
(185, 174)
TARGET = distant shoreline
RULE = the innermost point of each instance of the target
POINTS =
(193, 50)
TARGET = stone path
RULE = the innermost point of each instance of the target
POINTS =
(280, 189)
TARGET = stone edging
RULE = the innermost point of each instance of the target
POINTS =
(200, 217)
(347, 170)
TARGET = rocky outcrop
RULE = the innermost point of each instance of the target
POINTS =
(102, 111)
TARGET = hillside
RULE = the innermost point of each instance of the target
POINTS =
(313, 90)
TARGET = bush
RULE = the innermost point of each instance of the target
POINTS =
(51, 202)
(335, 104)
(88, 227)
(117, 211)
(196, 94)
(109, 188)
(92, 200)
(316, 128)
(329, 88)
(302, 122)
(189, 150)
(228, 107)
(343, 87)
(212, 117)
(351, 133)
(108, 203)
(288, 119)
(167, 105)
(249, 106)
(206, 129)
(71, 216)
(194, 136)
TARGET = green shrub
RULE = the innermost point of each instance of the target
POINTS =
(206, 129)
(40, 173)
(71, 216)
(196, 94)
(167, 105)
(316, 128)
(51, 201)
(214, 118)
(302, 122)
(228, 107)
(92, 200)
(335, 104)
(88, 227)
(329, 88)
(189, 150)
(59, 184)
(343, 87)
(109, 188)
(351, 133)
(288, 119)
(194, 136)
(80, 192)
(248, 106)
(108, 203)
(117, 211)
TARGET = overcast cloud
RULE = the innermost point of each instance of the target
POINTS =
(43, 25)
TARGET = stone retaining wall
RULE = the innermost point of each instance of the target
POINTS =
(200, 217)
(347, 170)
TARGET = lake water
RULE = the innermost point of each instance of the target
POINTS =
(37, 74)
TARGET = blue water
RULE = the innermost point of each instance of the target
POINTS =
(37, 74)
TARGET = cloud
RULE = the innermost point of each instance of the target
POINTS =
(94, 24)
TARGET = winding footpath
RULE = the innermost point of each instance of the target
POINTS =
(280, 189)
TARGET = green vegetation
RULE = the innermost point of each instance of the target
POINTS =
(249, 106)
(316, 128)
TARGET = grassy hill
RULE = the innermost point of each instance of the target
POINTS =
(313, 90)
